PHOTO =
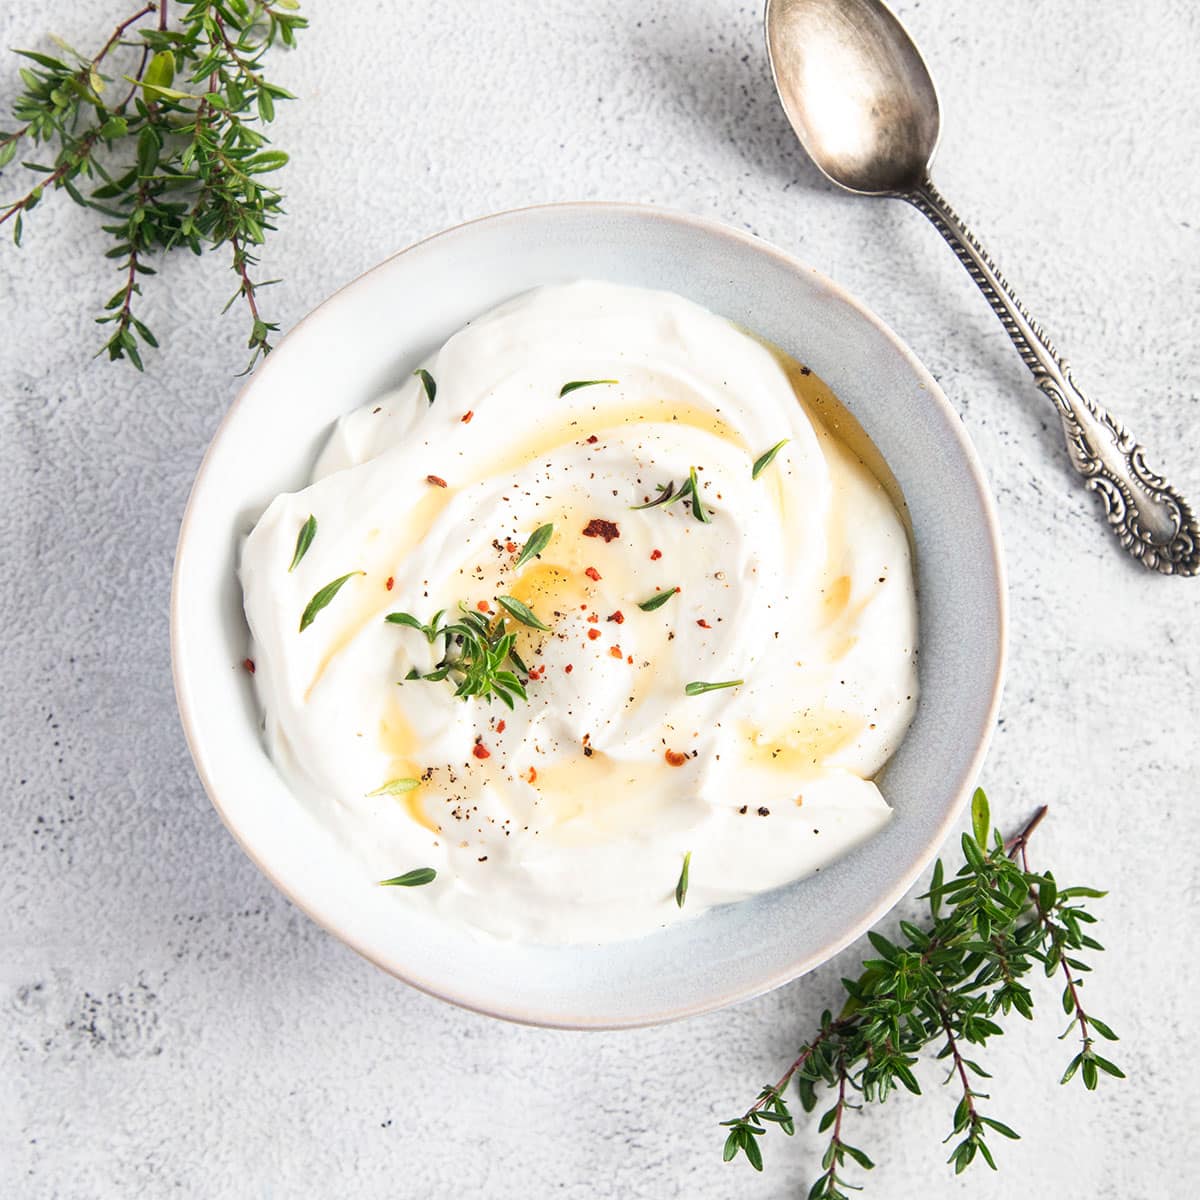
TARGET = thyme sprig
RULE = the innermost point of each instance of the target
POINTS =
(945, 984)
(175, 160)
(477, 653)
(688, 490)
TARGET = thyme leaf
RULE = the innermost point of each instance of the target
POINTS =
(522, 612)
(415, 878)
(764, 460)
(657, 600)
(681, 888)
(539, 539)
(698, 688)
(429, 382)
(576, 384)
(396, 787)
(322, 599)
(304, 538)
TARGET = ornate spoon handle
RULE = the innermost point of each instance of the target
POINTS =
(1151, 519)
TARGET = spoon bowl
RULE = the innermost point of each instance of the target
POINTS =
(856, 92)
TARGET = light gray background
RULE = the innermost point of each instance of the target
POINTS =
(171, 1026)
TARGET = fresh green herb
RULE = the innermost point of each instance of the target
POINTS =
(658, 600)
(539, 539)
(669, 494)
(475, 657)
(522, 612)
(396, 787)
(698, 689)
(323, 597)
(417, 878)
(304, 538)
(698, 510)
(431, 631)
(575, 384)
(682, 886)
(175, 160)
(429, 382)
(764, 460)
(666, 493)
(946, 983)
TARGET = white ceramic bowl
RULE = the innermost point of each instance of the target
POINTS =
(364, 340)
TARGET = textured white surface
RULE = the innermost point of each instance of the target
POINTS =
(172, 1027)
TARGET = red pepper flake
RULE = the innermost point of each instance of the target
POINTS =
(618, 616)
(615, 651)
(500, 726)
(676, 758)
(248, 664)
(390, 582)
(569, 668)
(597, 527)
(593, 574)
(510, 547)
(703, 624)
(532, 776)
(593, 618)
(593, 440)
(655, 555)
(466, 417)
(536, 672)
(482, 605)
(593, 634)
(629, 660)
(481, 751)
(436, 480)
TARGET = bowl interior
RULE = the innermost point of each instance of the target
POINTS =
(367, 338)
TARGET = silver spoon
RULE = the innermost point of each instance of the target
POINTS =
(864, 107)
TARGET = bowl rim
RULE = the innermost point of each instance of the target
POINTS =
(962, 787)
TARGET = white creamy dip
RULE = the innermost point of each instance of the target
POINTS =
(565, 819)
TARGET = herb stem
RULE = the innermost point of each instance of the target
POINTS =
(243, 64)
(141, 67)
(1044, 918)
(15, 136)
(1017, 843)
(240, 266)
(805, 1054)
(827, 1184)
(125, 24)
(82, 151)
(959, 1065)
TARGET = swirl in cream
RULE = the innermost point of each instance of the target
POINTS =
(567, 819)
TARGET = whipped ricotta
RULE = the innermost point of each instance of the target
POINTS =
(567, 818)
